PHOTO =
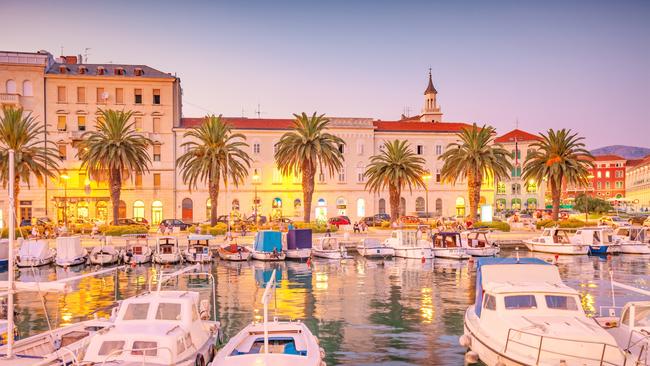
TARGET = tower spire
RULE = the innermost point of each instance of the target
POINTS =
(431, 111)
(430, 88)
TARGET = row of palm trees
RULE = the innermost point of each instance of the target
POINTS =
(214, 154)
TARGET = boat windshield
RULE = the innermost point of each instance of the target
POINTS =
(108, 347)
(145, 348)
(518, 302)
(168, 311)
(560, 302)
(136, 311)
(642, 316)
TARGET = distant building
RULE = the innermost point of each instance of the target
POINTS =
(606, 180)
(637, 182)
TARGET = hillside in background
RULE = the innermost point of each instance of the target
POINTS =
(628, 152)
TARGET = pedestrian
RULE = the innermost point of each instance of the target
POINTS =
(94, 231)
(34, 232)
(364, 226)
(355, 228)
(197, 229)
(290, 227)
(243, 229)
(328, 231)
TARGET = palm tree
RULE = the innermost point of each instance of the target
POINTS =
(474, 158)
(214, 154)
(306, 148)
(113, 152)
(21, 132)
(561, 158)
(395, 168)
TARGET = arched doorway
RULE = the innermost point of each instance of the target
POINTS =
(361, 207)
(501, 204)
(138, 210)
(297, 207)
(321, 210)
(82, 210)
(156, 212)
(341, 206)
(121, 210)
(402, 206)
(460, 206)
(187, 210)
(516, 204)
(439, 207)
(382, 206)
(101, 210)
(420, 204)
(276, 208)
(531, 203)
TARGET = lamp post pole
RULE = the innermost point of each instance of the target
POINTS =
(589, 178)
(65, 178)
(425, 178)
(255, 202)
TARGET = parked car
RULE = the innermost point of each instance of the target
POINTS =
(261, 219)
(121, 222)
(174, 223)
(647, 222)
(225, 219)
(409, 220)
(25, 222)
(373, 221)
(44, 221)
(638, 219)
(382, 217)
(284, 220)
(613, 221)
(339, 220)
(141, 221)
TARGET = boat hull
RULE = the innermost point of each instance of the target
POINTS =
(269, 256)
(449, 253)
(137, 259)
(166, 258)
(23, 262)
(598, 249)
(572, 249)
(482, 252)
(381, 252)
(235, 257)
(414, 253)
(104, 259)
(327, 254)
(298, 254)
(634, 248)
(198, 258)
(71, 262)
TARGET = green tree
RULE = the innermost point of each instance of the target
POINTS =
(395, 168)
(19, 131)
(561, 158)
(474, 158)
(113, 152)
(304, 149)
(587, 203)
(213, 153)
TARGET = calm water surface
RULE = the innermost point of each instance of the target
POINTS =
(397, 312)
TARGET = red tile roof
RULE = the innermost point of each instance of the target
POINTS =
(608, 157)
(517, 134)
(402, 126)
(242, 123)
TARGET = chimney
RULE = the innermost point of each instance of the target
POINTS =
(70, 60)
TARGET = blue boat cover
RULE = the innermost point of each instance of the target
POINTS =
(299, 239)
(491, 261)
(263, 276)
(267, 240)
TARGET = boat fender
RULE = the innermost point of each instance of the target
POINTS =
(465, 340)
(199, 361)
(472, 357)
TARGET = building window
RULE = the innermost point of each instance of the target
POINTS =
(28, 89)
(101, 96)
(119, 95)
(81, 123)
(599, 185)
(100, 70)
(438, 149)
(277, 176)
(420, 149)
(420, 204)
(138, 180)
(599, 174)
(361, 175)
(321, 177)
(501, 188)
(11, 87)
(62, 151)
(156, 152)
(359, 147)
(82, 70)
(341, 175)
(81, 182)
(516, 188)
(516, 171)
(61, 123)
(156, 212)
(156, 180)
(81, 94)
(531, 187)
(439, 207)
(119, 71)
(619, 184)
(619, 174)
(361, 207)
(156, 125)
(138, 123)
(608, 185)
(256, 148)
(156, 96)
(60, 93)
(607, 174)
(138, 96)
(138, 210)
(438, 176)
(382, 206)
(518, 152)
(137, 72)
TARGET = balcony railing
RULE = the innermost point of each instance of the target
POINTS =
(7, 98)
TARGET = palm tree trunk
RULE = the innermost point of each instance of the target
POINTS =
(115, 182)
(214, 200)
(16, 202)
(393, 196)
(308, 172)
(555, 196)
(474, 193)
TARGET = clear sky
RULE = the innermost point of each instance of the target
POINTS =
(578, 64)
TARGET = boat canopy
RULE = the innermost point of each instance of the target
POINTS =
(268, 240)
(299, 239)
(34, 249)
(68, 247)
(199, 237)
(507, 269)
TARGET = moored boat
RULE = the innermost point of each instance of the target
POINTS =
(234, 252)
(525, 315)
(299, 244)
(407, 245)
(599, 239)
(35, 253)
(328, 247)
(137, 249)
(555, 241)
(167, 250)
(373, 248)
(268, 246)
(478, 244)
(447, 244)
(633, 239)
(104, 254)
(69, 251)
(198, 249)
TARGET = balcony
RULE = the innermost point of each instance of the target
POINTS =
(7, 98)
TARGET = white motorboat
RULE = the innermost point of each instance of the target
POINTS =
(328, 247)
(373, 248)
(631, 330)
(447, 244)
(164, 327)
(268, 246)
(555, 241)
(167, 250)
(478, 244)
(525, 315)
(104, 255)
(407, 245)
(198, 249)
(599, 239)
(137, 249)
(234, 252)
(633, 239)
(272, 342)
(299, 244)
(69, 251)
(35, 253)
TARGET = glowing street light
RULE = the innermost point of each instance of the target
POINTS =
(65, 178)
(256, 179)
(425, 177)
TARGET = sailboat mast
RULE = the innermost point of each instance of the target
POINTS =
(10, 271)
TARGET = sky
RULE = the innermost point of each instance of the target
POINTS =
(583, 65)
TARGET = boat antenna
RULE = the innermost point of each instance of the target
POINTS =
(265, 301)
(10, 270)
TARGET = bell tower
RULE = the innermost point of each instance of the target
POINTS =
(431, 111)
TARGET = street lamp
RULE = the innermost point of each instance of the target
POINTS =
(256, 179)
(425, 177)
(65, 178)
(589, 178)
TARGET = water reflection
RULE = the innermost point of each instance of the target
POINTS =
(364, 311)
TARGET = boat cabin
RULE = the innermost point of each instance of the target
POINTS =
(167, 244)
(405, 238)
(444, 239)
(136, 243)
(558, 236)
(329, 243)
(633, 233)
(286, 341)
(199, 243)
(477, 239)
(268, 241)
(595, 236)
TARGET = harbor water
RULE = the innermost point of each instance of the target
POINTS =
(365, 312)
